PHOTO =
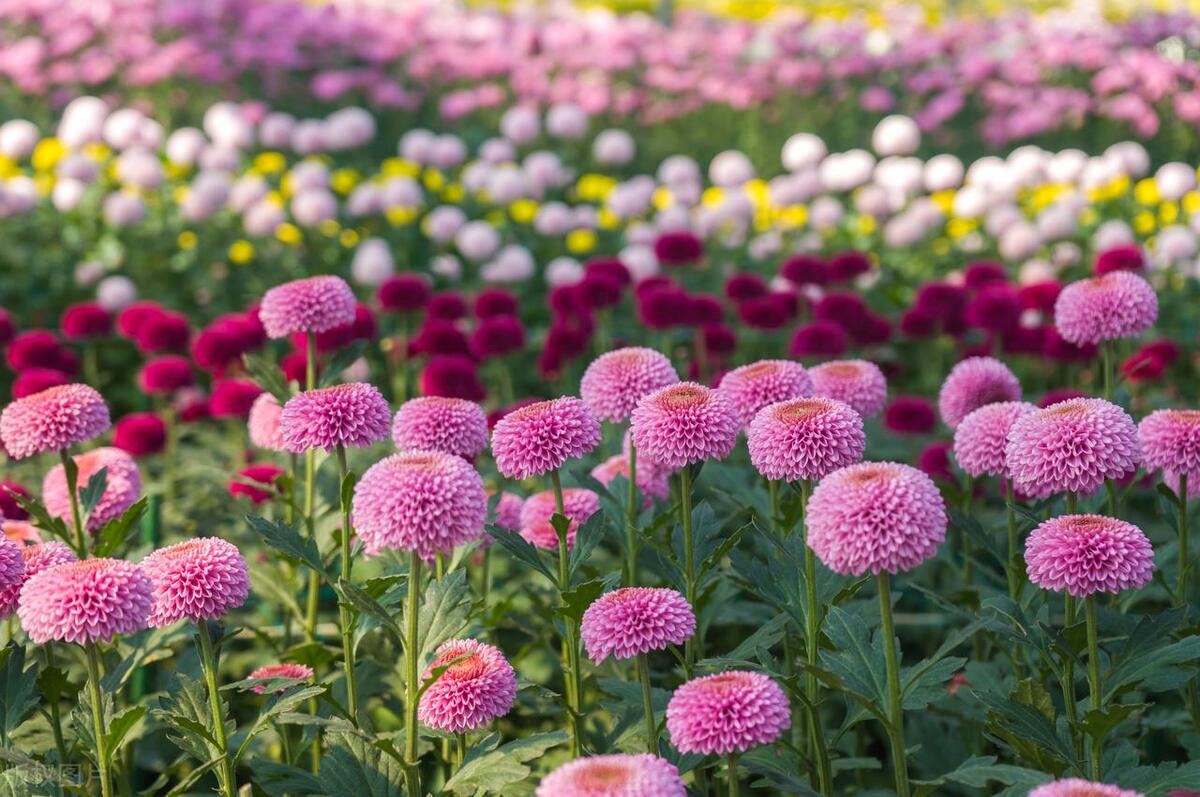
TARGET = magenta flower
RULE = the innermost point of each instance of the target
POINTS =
(540, 438)
(423, 501)
(981, 437)
(12, 564)
(654, 483)
(855, 382)
(88, 601)
(1086, 554)
(314, 304)
(263, 423)
(579, 504)
(35, 559)
(973, 383)
(1071, 446)
(805, 438)
(507, 514)
(52, 420)
(123, 485)
(729, 712)
(198, 579)
(616, 381)
(455, 426)
(1170, 440)
(628, 622)
(294, 672)
(1078, 787)
(1119, 304)
(875, 517)
(684, 423)
(354, 415)
(616, 775)
(754, 386)
(478, 687)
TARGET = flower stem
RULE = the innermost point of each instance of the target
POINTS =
(98, 729)
(691, 648)
(1068, 679)
(72, 475)
(310, 478)
(460, 749)
(773, 500)
(345, 615)
(412, 773)
(895, 724)
(1013, 568)
(731, 762)
(1181, 590)
(643, 669)
(631, 519)
(570, 643)
(208, 655)
(1106, 362)
(1094, 679)
(813, 617)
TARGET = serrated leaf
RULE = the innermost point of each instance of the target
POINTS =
(516, 545)
(858, 657)
(342, 359)
(267, 374)
(93, 491)
(1098, 722)
(184, 709)
(1143, 669)
(576, 602)
(114, 534)
(366, 605)
(119, 728)
(445, 611)
(279, 704)
(288, 541)
(488, 769)
(18, 688)
(352, 765)
(283, 780)
(925, 684)
(587, 536)
(979, 771)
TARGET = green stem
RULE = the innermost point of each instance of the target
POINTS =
(895, 724)
(1072, 503)
(1094, 680)
(570, 643)
(691, 648)
(412, 773)
(964, 539)
(98, 729)
(1014, 570)
(1068, 679)
(460, 749)
(60, 744)
(643, 670)
(813, 617)
(225, 774)
(1106, 362)
(72, 475)
(631, 521)
(1181, 590)
(731, 767)
(773, 500)
(345, 615)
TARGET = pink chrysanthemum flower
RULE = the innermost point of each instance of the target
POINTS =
(354, 415)
(199, 579)
(981, 437)
(1170, 440)
(314, 304)
(478, 687)
(616, 775)
(729, 712)
(653, 482)
(423, 501)
(579, 504)
(263, 423)
(1119, 304)
(754, 386)
(123, 486)
(1078, 787)
(12, 564)
(508, 511)
(684, 423)
(35, 559)
(88, 601)
(1071, 446)
(805, 438)
(455, 426)
(616, 381)
(1171, 479)
(54, 419)
(855, 382)
(875, 516)
(539, 438)
(634, 620)
(1086, 554)
(294, 672)
(974, 383)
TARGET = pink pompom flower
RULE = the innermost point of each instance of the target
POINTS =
(634, 620)
(653, 482)
(805, 439)
(291, 672)
(12, 564)
(1086, 554)
(88, 601)
(263, 423)
(579, 504)
(1073, 446)
(1119, 304)
(198, 579)
(455, 426)
(754, 386)
(684, 423)
(615, 775)
(354, 415)
(35, 559)
(616, 381)
(875, 517)
(539, 438)
(981, 437)
(122, 489)
(313, 304)
(477, 687)
(53, 420)
(423, 501)
(858, 383)
(729, 712)
(1078, 787)
(973, 383)
(1170, 440)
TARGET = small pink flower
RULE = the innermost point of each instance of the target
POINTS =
(35, 558)
(754, 386)
(579, 504)
(123, 486)
(616, 775)
(263, 423)
(540, 438)
(1119, 304)
(973, 383)
(314, 304)
(198, 579)
(53, 420)
(627, 622)
(981, 437)
(1086, 554)
(455, 426)
(354, 415)
(88, 601)
(805, 438)
(295, 672)
(654, 483)
(615, 381)
(478, 687)
(682, 424)
(1078, 787)
(855, 382)
(1171, 440)
(729, 712)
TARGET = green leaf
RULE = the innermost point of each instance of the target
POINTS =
(114, 534)
(119, 728)
(279, 704)
(776, 771)
(288, 541)
(43, 519)
(268, 375)
(925, 684)
(93, 491)
(366, 605)
(342, 359)
(1097, 723)
(184, 709)
(354, 765)
(489, 770)
(283, 780)
(587, 536)
(1025, 725)
(576, 602)
(18, 688)
(1154, 669)
(445, 611)
(524, 552)
(979, 771)
(858, 657)
(1159, 781)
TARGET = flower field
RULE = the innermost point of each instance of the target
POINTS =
(568, 401)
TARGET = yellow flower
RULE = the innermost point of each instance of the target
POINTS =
(523, 211)
(1144, 222)
(941, 246)
(607, 219)
(329, 228)
(662, 198)
(1146, 192)
(454, 193)
(179, 194)
(241, 252)
(1168, 212)
(433, 179)
(1191, 202)
(495, 218)
(270, 162)
(8, 167)
(188, 240)
(866, 224)
(286, 185)
(580, 242)
(957, 228)
(1088, 217)
(594, 187)
(344, 180)
(97, 151)
(289, 234)
(44, 183)
(793, 216)
(398, 167)
(47, 154)
(944, 200)
(399, 216)
(349, 238)
(275, 198)
(711, 196)
(176, 171)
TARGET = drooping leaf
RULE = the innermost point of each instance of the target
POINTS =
(119, 728)
(267, 374)
(368, 606)
(489, 769)
(91, 493)
(288, 541)
(445, 611)
(353, 765)
(115, 534)
(581, 596)
(524, 552)
(857, 657)
(18, 688)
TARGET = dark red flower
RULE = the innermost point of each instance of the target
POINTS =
(916, 324)
(599, 290)
(140, 433)
(743, 286)
(262, 474)
(1040, 296)
(40, 348)
(453, 376)
(845, 266)
(295, 366)
(872, 330)
(678, 248)
(704, 308)
(493, 302)
(497, 336)
(7, 327)
(195, 408)
(818, 339)
(719, 340)
(769, 311)
(363, 327)
(910, 415)
(216, 346)
(663, 308)
(1023, 340)
(934, 459)
(610, 267)
(495, 415)
(1060, 394)
(403, 293)
(1127, 257)
(447, 305)
(9, 508)
(1140, 368)
(1163, 348)
(805, 270)
(130, 320)
(164, 331)
(847, 310)
(85, 320)
(995, 308)
(1057, 348)
(983, 272)
(439, 336)
(567, 300)
(166, 374)
(941, 301)
(35, 380)
(231, 398)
